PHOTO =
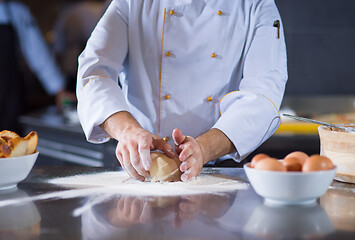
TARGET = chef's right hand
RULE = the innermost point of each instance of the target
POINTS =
(133, 151)
(130, 211)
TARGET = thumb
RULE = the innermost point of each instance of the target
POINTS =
(178, 136)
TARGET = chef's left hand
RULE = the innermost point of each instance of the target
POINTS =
(190, 154)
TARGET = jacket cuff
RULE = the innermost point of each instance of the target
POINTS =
(99, 99)
(248, 119)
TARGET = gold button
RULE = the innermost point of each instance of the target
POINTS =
(213, 55)
(167, 96)
(209, 99)
(168, 54)
(219, 13)
(165, 139)
(171, 12)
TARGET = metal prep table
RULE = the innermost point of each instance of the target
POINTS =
(235, 215)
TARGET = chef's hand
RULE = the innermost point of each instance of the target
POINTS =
(190, 207)
(134, 144)
(133, 151)
(130, 211)
(187, 209)
(190, 154)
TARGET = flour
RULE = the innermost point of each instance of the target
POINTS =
(101, 186)
(121, 183)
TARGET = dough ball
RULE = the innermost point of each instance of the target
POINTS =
(164, 168)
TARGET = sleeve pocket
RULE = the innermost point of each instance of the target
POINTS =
(278, 51)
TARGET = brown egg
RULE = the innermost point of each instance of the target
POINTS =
(292, 164)
(298, 154)
(257, 158)
(271, 164)
(317, 163)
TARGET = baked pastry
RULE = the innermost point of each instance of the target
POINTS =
(32, 139)
(12, 145)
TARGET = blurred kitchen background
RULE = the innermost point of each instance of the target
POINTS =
(320, 39)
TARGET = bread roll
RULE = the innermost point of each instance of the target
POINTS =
(164, 168)
(18, 147)
(32, 139)
(7, 135)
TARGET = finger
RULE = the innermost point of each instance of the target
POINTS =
(191, 169)
(136, 209)
(187, 176)
(177, 150)
(120, 205)
(164, 147)
(187, 150)
(129, 168)
(144, 153)
(187, 210)
(137, 163)
(146, 212)
(119, 155)
(120, 159)
(189, 163)
(127, 207)
(178, 137)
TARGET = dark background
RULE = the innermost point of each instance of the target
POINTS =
(320, 39)
(45, 13)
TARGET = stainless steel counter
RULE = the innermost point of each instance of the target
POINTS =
(231, 215)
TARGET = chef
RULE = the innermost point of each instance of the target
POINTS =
(17, 26)
(207, 76)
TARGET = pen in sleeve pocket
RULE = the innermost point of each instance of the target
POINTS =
(277, 25)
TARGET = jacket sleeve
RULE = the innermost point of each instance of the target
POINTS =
(249, 115)
(99, 95)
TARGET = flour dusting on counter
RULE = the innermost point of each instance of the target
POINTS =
(101, 186)
(121, 183)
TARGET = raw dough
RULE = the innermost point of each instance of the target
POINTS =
(164, 168)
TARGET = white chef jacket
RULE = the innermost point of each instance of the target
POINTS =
(188, 64)
(33, 47)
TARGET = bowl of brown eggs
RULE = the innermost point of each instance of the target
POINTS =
(296, 179)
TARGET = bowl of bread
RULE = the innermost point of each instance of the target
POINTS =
(17, 157)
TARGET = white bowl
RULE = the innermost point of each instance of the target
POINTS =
(14, 170)
(18, 216)
(289, 187)
(292, 222)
